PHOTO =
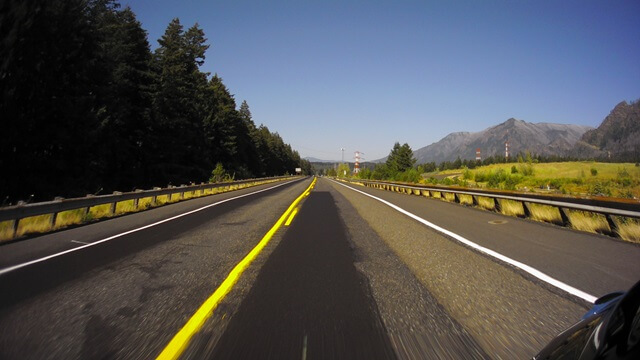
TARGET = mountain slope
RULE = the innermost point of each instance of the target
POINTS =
(540, 138)
(617, 137)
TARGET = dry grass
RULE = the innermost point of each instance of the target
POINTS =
(71, 217)
(511, 208)
(42, 223)
(589, 222)
(466, 199)
(545, 213)
(629, 229)
(450, 197)
(486, 203)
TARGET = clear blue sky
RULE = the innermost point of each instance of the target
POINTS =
(365, 74)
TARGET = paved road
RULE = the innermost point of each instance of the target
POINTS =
(349, 278)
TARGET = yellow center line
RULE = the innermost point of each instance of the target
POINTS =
(290, 219)
(179, 343)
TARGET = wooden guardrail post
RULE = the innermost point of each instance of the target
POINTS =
(136, 201)
(565, 217)
(496, 205)
(527, 209)
(613, 226)
(85, 211)
(154, 198)
(112, 208)
(54, 215)
(16, 223)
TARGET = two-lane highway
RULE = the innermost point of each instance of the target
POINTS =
(341, 275)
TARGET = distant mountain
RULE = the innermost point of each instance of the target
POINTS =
(316, 160)
(618, 137)
(537, 138)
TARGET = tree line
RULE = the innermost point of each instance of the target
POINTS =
(87, 107)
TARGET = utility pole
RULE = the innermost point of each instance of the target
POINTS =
(342, 149)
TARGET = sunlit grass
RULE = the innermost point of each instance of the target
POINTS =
(465, 199)
(587, 221)
(450, 197)
(486, 203)
(511, 207)
(42, 223)
(545, 213)
(628, 229)
(70, 217)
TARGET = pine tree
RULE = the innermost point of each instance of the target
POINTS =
(400, 158)
(126, 98)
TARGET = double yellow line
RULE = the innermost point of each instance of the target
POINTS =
(179, 343)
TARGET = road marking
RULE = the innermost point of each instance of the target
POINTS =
(179, 343)
(290, 219)
(79, 242)
(526, 268)
(304, 348)
(16, 267)
(497, 222)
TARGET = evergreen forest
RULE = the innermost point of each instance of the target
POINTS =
(87, 108)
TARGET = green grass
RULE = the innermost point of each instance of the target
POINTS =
(575, 178)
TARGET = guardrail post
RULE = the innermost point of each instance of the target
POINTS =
(136, 201)
(613, 226)
(112, 208)
(54, 215)
(474, 200)
(52, 219)
(16, 222)
(456, 198)
(527, 209)
(496, 205)
(154, 198)
(565, 217)
(86, 210)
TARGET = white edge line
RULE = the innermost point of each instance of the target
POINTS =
(16, 267)
(526, 268)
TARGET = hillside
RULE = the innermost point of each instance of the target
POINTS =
(618, 137)
(538, 138)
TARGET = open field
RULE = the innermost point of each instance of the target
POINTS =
(575, 178)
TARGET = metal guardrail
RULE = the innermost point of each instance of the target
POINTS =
(606, 207)
(21, 211)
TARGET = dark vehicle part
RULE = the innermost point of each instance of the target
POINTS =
(610, 330)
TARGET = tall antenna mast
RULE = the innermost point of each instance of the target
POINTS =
(506, 149)
(357, 156)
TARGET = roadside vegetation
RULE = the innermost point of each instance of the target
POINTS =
(620, 180)
(527, 174)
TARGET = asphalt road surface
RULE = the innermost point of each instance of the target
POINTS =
(349, 278)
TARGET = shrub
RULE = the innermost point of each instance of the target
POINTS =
(219, 174)
(600, 189)
(526, 169)
(467, 174)
(594, 171)
(514, 169)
